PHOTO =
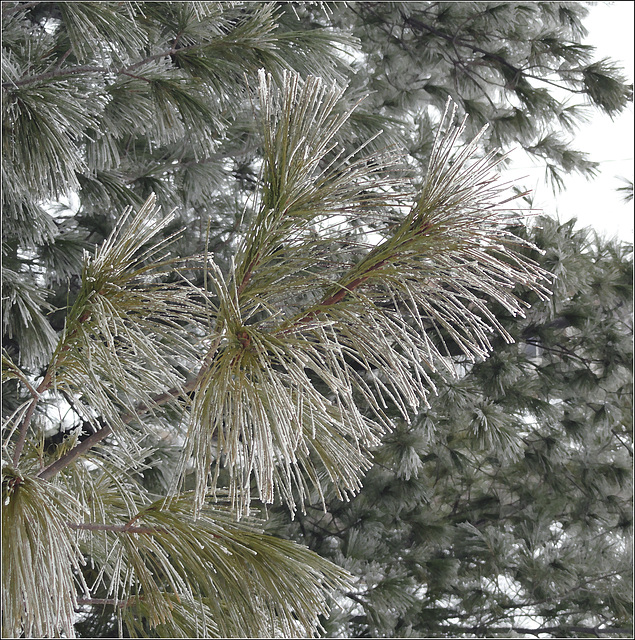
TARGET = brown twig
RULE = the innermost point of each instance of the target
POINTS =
(61, 73)
(333, 299)
(345, 290)
(85, 445)
(26, 421)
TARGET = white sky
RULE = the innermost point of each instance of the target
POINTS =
(596, 203)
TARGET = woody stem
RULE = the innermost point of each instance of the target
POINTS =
(98, 436)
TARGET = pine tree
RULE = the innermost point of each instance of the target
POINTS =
(505, 508)
(518, 67)
(160, 385)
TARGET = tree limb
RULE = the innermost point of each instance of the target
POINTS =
(455, 40)
(85, 445)
(60, 73)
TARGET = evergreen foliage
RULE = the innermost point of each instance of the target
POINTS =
(515, 66)
(245, 246)
(505, 508)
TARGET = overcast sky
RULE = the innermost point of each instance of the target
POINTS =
(596, 203)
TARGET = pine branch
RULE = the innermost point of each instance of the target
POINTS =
(56, 73)
(455, 40)
(26, 421)
(157, 401)
(333, 299)
(623, 442)
(367, 273)
(73, 71)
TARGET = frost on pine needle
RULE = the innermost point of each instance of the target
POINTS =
(41, 559)
(305, 344)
